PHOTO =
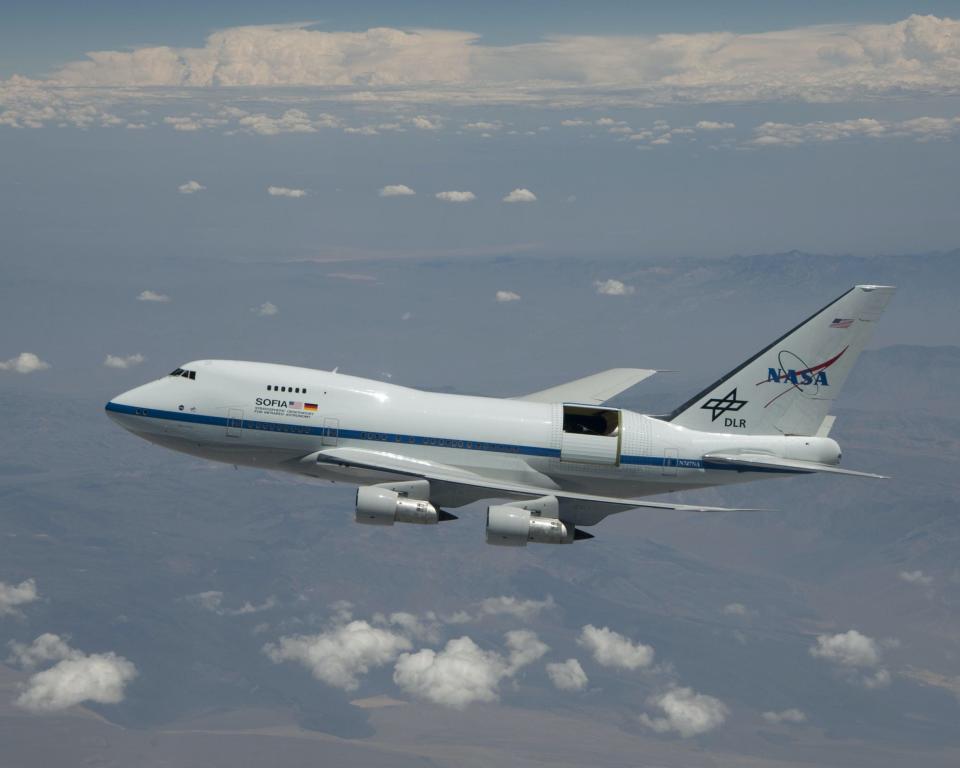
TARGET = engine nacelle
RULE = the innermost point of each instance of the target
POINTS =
(511, 526)
(382, 506)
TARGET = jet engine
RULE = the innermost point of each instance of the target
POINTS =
(383, 506)
(514, 526)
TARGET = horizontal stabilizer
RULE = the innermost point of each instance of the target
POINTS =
(592, 390)
(761, 462)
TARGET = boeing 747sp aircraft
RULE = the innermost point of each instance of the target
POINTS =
(560, 458)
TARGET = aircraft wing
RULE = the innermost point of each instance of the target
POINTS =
(591, 390)
(584, 509)
(760, 462)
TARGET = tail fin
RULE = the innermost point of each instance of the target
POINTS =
(788, 387)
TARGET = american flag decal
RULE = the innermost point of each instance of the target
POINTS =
(295, 406)
(841, 322)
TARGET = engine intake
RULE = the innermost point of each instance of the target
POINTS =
(382, 506)
(512, 526)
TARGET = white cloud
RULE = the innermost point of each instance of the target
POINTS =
(613, 288)
(736, 609)
(854, 652)
(916, 577)
(14, 595)
(123, 361)
(786, 716)
(483, 126)
(291, 121)
(286, 192)
(850, 649)
(191, 187)
(505, 296)
(611, 649)
(686, 712)
(454, 196)
(267, 309)
(340, 655)
(46, 647)
(396, 190)
(153, 296)
(75, 678)
(25, 362)
(425, 123)
(462, 673)
(520, 195)
(567, 675)
(574, 123)
(793, 135)
(711, 125)
(919, 55)
(505, 605)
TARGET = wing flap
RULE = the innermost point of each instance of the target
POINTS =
(761, 462)
(398, 464)
(592, 390)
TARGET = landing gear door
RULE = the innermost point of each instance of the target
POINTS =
(591, 435)
(331, 432)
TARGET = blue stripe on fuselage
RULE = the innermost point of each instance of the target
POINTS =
(435, 442)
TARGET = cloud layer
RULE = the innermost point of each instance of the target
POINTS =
(825, 62)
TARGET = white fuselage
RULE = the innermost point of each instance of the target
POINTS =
(271, 416)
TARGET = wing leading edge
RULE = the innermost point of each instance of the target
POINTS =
(592, 390)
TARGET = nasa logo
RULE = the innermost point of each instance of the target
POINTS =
(794, 376)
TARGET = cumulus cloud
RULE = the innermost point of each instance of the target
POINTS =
(786, 716)
(916, 577)
(339, 656)
(425, 123)
(711, 125)
(25, 362)
(505, 296)
(286, 192)
(153, 296)
(396, 190)
(567, 675)
(123, 361)
(12, 596)
(736, 609)
(613, 288)
(191, 187)
(919, 55)
(267, 309)
(463, 673)
(291, 121)
(856, 653)
(483, 126)
(686, 712)
(505, 605)
(75, 678)
(520, 195)
(454, 196)
(611, 649)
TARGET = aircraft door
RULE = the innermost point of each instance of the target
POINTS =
(234, 422)
(591, 435)
(331, 432)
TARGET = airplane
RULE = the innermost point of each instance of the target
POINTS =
(557, 461)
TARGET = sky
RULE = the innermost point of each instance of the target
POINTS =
(490, 199)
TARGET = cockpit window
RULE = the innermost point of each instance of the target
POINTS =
(185, 373)
(176, 372)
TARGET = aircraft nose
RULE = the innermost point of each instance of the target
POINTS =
(128, 408)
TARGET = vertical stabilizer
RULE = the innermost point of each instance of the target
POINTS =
(789, 387)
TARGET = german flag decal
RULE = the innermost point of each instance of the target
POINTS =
(309, 406)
